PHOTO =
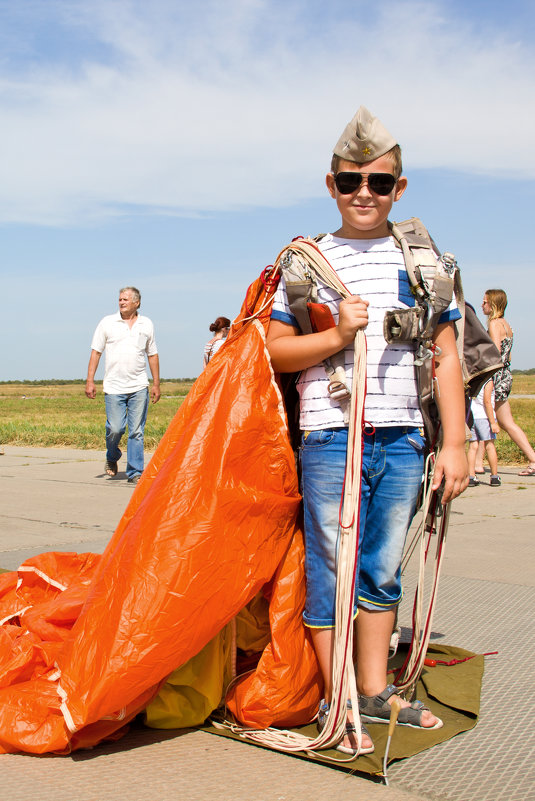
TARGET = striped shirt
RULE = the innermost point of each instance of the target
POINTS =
(375, 270)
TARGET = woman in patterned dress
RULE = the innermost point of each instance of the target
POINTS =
(494, 305)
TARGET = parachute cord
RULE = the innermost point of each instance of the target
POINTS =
(426, 499)
(270, 277)
(344, 684)
(410, 672)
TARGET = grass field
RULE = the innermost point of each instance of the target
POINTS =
(60, 415)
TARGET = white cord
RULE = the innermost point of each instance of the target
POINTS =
(343, 678)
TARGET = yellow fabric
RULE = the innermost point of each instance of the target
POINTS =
(194, 690)
(252, 626)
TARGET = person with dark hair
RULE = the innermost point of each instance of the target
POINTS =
(128, 338)
(493, 306)
(220, 328)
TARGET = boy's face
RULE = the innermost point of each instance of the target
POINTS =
(365, 212)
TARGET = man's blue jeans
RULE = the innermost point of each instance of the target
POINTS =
(129, 408)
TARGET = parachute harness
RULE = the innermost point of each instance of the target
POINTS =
(344, 684)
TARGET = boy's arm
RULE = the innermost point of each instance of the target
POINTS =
(290, 351)
(489, 408)
(451, 465)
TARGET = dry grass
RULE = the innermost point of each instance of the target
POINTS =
(59, 415)
(523, 384)
(62, 416)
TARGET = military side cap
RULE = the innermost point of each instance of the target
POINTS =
(364, 138)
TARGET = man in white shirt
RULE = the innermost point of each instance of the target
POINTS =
(127, 336)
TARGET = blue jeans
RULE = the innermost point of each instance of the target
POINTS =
(129, 408)
(393, 461)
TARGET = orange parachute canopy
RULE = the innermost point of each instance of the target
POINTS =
(88, 641)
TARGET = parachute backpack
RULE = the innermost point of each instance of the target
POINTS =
(435, 279)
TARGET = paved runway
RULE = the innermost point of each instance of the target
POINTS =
(56, 499)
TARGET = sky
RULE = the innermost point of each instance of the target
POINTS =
(178, 146)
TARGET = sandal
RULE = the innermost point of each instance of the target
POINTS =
(323, 711)
(110, 468)
(528, 471)
(376, 709)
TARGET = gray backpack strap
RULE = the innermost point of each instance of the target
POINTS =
(431, 275)
(300, 287)
(432, 279)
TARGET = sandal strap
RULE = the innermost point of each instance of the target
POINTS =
(413, 714)
(371, 704)
(350, 729)
(377, 706)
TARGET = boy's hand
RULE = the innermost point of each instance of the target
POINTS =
(451, 467)
(494, 427)
(353, 315)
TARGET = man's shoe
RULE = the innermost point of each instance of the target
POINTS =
(495, 481)
(134, 479)
(110, 468)
(473, 481)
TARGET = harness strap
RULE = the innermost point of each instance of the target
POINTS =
(302, 262)
(434, 520)
(344, 684)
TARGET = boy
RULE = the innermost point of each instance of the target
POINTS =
(484, 430)
(365, 180)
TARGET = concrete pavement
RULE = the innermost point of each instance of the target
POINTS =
(57, 499)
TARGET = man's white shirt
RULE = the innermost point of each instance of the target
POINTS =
(125, 348)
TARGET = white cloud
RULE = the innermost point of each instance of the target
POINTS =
(184, 108)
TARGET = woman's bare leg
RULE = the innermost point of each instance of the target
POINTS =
(505, 420)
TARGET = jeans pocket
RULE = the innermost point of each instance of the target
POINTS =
(416, 439)
(316, 439)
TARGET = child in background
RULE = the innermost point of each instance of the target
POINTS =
(484, 430)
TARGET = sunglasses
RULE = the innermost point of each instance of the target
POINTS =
(381, 183)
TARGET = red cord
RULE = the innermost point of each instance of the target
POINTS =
(435, 662)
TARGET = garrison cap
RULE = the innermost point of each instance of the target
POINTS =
(364, 139)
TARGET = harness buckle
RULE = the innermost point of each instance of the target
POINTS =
(449, 262)
(426, 315)
(422, 354)
(339, 391)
